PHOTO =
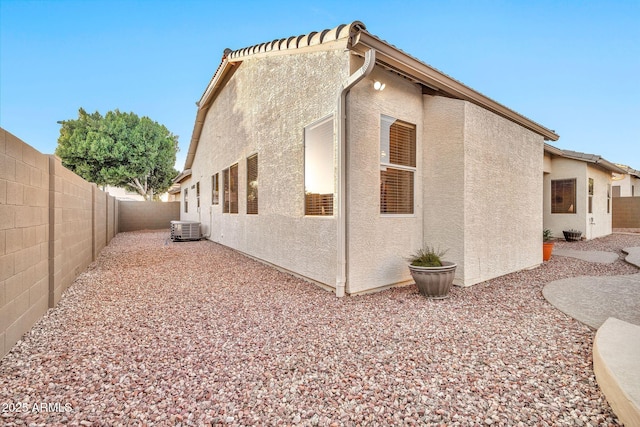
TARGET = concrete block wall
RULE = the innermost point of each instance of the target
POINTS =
(24, 238)
(52, 225)
(71, 243)
(135, 215)
(626, 212)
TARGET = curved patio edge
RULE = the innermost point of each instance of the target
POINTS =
(616, 351)
(633, 256)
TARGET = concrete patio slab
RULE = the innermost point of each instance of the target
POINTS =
(616, 352)
(602, 257)
(633, 256)
(593, 299)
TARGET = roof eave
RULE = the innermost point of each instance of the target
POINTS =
(182, 176)
(436, 80)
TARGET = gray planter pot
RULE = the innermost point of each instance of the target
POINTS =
(572, 236)
(434, 282)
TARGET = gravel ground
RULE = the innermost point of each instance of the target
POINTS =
(192, 333)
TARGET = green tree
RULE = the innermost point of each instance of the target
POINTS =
(119, 149)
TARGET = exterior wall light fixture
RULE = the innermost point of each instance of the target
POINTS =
(378, 85)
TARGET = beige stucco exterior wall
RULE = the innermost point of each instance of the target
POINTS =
(264, 109)
(443, 187)
(378, 244)
(563, 168)
(483, 177)
(599, 223)
(592, 225)
(461, 202)
(629, 186)
(502, 196)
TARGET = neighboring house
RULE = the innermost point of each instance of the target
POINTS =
(577, 192)
(123, 194)
(626, 184)
(173, 195)
(335, 155)
(128, 195)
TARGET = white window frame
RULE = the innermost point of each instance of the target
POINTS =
(385, 125)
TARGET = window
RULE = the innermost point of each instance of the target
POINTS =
(198, 194)
(230, 196)
(215, 190)
(252, 184)
(590, 195)
(186, 200)
(319, 168)
(608, 198)
(397, 166)
(563, 196)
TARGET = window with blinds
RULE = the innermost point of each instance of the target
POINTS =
(397, 166)
(590, 195)
(319, 171)
(563, 196)
(215, 189)
(252, 184)
(198, 194)
(230, 190)
(186, 200)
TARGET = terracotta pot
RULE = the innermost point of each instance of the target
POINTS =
(434, 282)
(547, 248)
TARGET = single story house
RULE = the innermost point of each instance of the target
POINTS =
(335, 155)
(626, 184)
(578, 192)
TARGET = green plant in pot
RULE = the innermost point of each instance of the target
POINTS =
(432, 275)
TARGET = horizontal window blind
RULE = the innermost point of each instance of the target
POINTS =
(397, 148)
(402, 144)
(252, 184)
(396, 191)
(225, 191)
(563, 196)
(318, 204)
(215, 189)
(233, 189)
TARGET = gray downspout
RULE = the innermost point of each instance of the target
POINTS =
(362, 72)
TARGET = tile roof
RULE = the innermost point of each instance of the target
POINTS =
(585, 157)
(358, 39)
(296, 42)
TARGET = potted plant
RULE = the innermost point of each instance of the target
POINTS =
(432, 275)
(572, 235)
(547, 244)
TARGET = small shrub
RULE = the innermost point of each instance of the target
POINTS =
(427, 257)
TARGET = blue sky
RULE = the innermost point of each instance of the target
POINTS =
(572, 66)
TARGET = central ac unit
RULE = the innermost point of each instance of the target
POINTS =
(185, 230)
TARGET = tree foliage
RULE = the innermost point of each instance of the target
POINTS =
(119, 149)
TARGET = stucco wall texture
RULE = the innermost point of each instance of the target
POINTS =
(52, 225)
(264, 109)
(628, 186)
(592, 225)
(482, 190)
(478, 187)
